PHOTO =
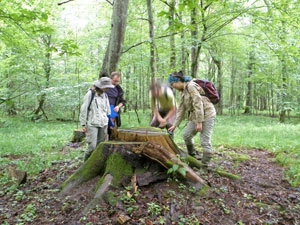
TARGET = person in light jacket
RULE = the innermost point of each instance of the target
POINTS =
(94, 114)
(201, 114)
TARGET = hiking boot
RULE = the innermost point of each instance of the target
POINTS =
(191, 150)
(206, 159)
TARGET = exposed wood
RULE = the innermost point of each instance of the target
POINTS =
(168, 159)
(123, 219)
(154, 135)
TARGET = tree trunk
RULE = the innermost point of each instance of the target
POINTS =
(152, 42)
(115, 45)
(218, 62)
(248, 106)
(172, 35)
(47, 69)
(283, 93)
(233, 102)
(196, 45)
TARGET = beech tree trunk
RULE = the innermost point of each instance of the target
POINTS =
(152, 39)
(116, 40)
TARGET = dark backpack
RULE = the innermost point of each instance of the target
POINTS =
(210, 91)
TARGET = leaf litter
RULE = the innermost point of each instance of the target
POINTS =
(260, 196)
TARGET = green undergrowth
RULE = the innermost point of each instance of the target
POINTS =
(34, 146)
(31, 146)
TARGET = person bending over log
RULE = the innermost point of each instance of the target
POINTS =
(163, 106)
(201, 114)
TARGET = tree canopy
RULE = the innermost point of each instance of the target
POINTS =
(51, 52)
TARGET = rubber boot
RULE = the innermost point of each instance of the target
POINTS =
(206, 159)
(191, 150)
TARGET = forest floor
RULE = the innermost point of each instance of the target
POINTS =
(260, 196)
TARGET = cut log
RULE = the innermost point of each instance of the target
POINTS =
(78, 135)
(193, 162)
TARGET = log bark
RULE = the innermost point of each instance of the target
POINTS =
(103, 161)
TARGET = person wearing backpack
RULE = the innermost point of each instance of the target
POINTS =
(94, 113)
(201, 114)
(163, 106)
(116, 101)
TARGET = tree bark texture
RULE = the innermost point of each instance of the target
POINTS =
(116, 40)
(248, 105)
(152, 39)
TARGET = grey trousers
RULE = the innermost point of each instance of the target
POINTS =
(94, 136)
(205, 135)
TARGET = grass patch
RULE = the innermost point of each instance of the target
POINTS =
(33, 146)
(36, 145)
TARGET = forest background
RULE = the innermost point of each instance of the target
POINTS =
(52, 51)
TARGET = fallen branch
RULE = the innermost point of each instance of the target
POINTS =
(193, 162)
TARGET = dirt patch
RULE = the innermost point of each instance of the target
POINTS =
(261, 196)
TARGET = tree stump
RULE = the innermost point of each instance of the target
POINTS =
(78, 135)
(132, 154)
(17, 176)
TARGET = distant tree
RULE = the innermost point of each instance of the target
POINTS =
(152, 39)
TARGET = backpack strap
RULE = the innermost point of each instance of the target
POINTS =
(93, 95)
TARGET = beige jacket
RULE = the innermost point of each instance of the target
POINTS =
(192, 101)
(99, 110)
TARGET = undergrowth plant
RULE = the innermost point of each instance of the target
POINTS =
(33, 146)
